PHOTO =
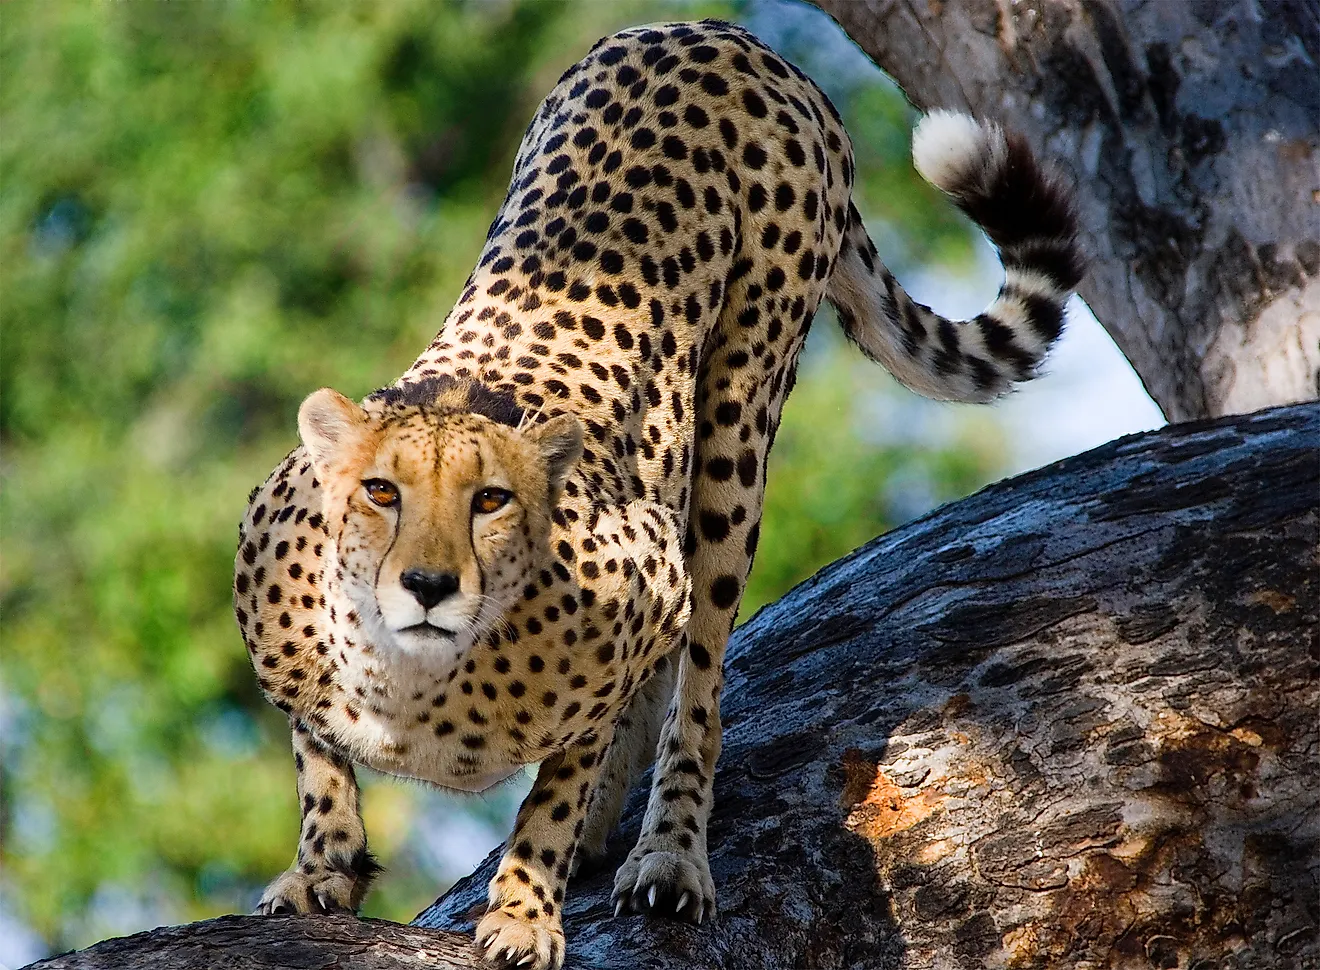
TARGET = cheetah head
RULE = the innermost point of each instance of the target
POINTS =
(438, 515)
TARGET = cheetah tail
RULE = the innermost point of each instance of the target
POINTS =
(992, 176)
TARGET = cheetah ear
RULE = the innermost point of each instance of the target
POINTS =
(332, 428)
(560, 444)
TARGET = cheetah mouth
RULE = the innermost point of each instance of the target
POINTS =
(430, 631)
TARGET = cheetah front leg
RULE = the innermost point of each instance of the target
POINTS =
(333, 870)
(522, 926)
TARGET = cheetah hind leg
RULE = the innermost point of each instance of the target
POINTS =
(629, 755)
(661, 592)
(667, 873)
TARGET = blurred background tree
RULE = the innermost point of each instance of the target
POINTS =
(208, 211)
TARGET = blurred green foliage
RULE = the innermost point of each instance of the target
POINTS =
(208, 211)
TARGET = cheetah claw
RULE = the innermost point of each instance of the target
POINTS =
(330, 906)
(329, 893)
(663, 883)
(507, 941)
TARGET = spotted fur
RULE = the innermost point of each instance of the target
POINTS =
(613, 374)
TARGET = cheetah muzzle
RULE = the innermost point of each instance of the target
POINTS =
(530, 549)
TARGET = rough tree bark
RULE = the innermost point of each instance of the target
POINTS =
(1192, 129)
(1073, 720)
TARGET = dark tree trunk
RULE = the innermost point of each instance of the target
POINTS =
(1192, 131)
(1069, 721)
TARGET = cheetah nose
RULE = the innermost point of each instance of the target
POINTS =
(428, 586)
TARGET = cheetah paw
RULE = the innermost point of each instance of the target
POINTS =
(507, 941)
(665, 884)
(300, 892)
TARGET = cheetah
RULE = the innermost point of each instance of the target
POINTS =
(530, 549)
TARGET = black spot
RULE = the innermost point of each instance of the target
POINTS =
(753, 536)
(713, 84)
(747, 468)
(719, 469)
(674, 147)
(665, 213)
(635, 230)
(714, 525)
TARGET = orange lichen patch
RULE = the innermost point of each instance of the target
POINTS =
(932, 852)
(1247, 736)
(1020, 947)
(1278, 602)
(1094, 907)
(1104, 872)
(975, 775)
(957, 704)
(858, 774)
(877, 808)
(1198, 764)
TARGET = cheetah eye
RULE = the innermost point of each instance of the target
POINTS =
(490, 500)
(381, 492)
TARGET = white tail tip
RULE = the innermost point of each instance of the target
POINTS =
(948, 147)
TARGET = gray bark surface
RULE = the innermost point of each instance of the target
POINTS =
(1191, 129)
(1071, 720)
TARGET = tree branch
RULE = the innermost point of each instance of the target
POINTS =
(1190, 130)
(1071, 718)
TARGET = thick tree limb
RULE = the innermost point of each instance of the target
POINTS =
(1192, 130)
(1069, 721)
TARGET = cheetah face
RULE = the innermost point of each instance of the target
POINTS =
(438, 517)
